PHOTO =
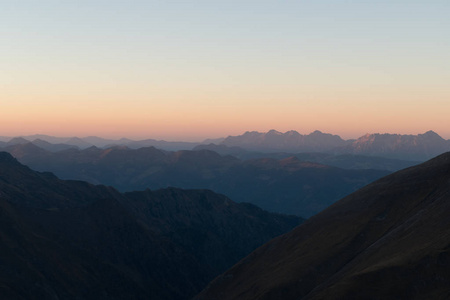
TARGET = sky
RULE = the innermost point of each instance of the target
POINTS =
(189, 70)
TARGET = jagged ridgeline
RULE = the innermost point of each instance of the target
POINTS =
(74, 240)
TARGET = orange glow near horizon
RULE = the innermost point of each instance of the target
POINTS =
(199, 115)
(189, 71)
(185, 121)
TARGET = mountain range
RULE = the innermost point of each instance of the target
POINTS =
(344, 161)
(405, 147)
(290, 141)
(73, 240)
(286, 185)
(43, 141)
(389, 240)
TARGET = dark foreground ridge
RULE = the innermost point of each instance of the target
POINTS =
(72, 240)
(389, 240)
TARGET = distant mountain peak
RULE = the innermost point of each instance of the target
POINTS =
(432, 134)
(316, 132)
(292, 133)
(273, 131)
(17, 140)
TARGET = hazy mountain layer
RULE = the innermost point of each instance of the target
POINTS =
(290, 141)
(405, 147)
(409, 147)
(72, 240)
(61, 143)
(389, 240)
(413, 147)
(286, 186)
(344, 161)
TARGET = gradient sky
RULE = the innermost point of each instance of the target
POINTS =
(187, 70)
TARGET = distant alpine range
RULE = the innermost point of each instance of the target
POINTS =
(406, 147)
(413, 147)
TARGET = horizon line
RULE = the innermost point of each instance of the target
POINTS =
(198, 140)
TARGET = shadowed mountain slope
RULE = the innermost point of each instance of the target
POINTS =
(281, 185)
(389, 240)
(72, 240)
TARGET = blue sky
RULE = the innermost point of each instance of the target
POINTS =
(223, 67)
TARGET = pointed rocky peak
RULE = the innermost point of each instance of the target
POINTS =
(316, 132)
(92, 149)
(273, 132)
(430, 134)
(17, 141)
(292, 133)
(28, 149)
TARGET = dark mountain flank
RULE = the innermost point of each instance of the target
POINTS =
(286, 185)
(64, 239)
(389, 240)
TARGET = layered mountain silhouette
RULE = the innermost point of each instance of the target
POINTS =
(344, 161)
(415, 147)
(410, 147)
(86, 142)
(286, 185)
(290, 141)
(73, 240)
(405, 147)
(389, 240)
